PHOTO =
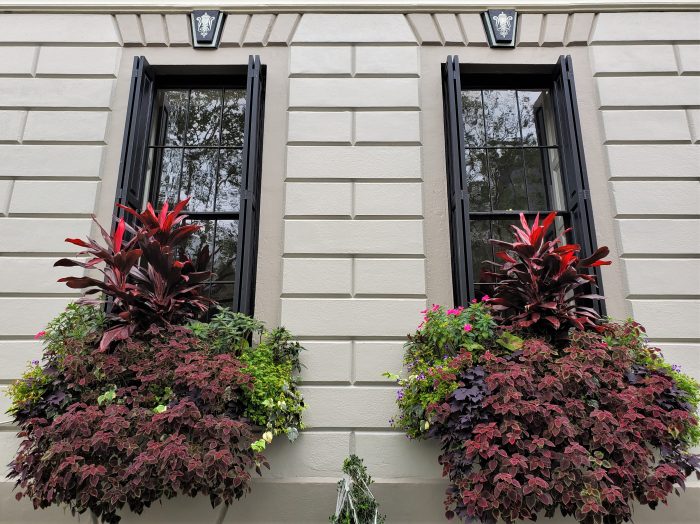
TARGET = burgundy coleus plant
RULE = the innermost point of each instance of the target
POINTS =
(540, 281)
(147, 277)
(582, 430)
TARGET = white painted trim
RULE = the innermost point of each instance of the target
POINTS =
(278, 6)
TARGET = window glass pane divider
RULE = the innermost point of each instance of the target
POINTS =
(486, 156)
(482, 215)
(211, 215)
(517, 146)
(195, 147)
(184, 141)
(522, 143)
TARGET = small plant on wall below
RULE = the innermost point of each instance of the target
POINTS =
(147, 401)
(356, 503)
(542, 407)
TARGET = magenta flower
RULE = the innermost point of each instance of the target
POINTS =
(453, 311)
(435, 307)
(485, 298)
(468, 327)
(40, 334)
(473, 301)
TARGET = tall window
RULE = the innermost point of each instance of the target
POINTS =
(199, 135)
(513, 146)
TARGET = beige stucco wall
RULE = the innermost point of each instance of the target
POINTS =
(354, 230)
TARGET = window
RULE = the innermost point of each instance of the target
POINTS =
(199, 135)
(513, 146)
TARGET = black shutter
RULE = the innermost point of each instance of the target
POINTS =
(578, 201)
(132, 167)
(457, 195)
(246, 261)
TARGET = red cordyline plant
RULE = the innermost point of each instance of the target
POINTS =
(147, 277)
(539, 283)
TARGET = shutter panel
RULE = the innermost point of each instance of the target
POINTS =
(246, 261)
(132, 167)
(458, 197)
(578, 200)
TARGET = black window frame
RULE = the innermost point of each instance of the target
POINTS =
(146, 79)
(559, 79)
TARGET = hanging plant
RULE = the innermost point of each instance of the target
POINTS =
(148, 401)
(542, 407)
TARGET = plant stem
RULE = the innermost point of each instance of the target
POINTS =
(222, 514)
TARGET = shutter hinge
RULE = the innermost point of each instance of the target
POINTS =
(586, 194)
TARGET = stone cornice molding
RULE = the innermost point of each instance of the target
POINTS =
(303, 6)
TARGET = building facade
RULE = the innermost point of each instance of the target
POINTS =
(327, 128)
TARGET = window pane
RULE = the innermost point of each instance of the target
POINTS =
(204, 117)
(537, 119)
(501, 113)
(226, 247)
(222, 292)
(234, 117)
(481, 247)
(530, 103)
(477, 180)
(173, 113)
(199, 178)
(228, 185)
(535, 163)
(508, 181)
(170, 169)
(203, 236)
(473, 116)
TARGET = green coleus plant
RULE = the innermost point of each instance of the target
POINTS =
(275, 403)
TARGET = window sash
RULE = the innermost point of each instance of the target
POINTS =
(133, 180)
(578, 213)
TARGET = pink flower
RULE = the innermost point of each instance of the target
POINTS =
(453, 311)
(473, 301)
(468, 327)
(40, 334)
(435, 307)
(485, 298)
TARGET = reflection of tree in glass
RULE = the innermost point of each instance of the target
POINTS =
(203, 236)
(234, 117)
(229, 180)
(204, 117)
(473, 117)
(226, 249)
(508, 189)
(174, 102)
(199, 178)
(501, 116)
